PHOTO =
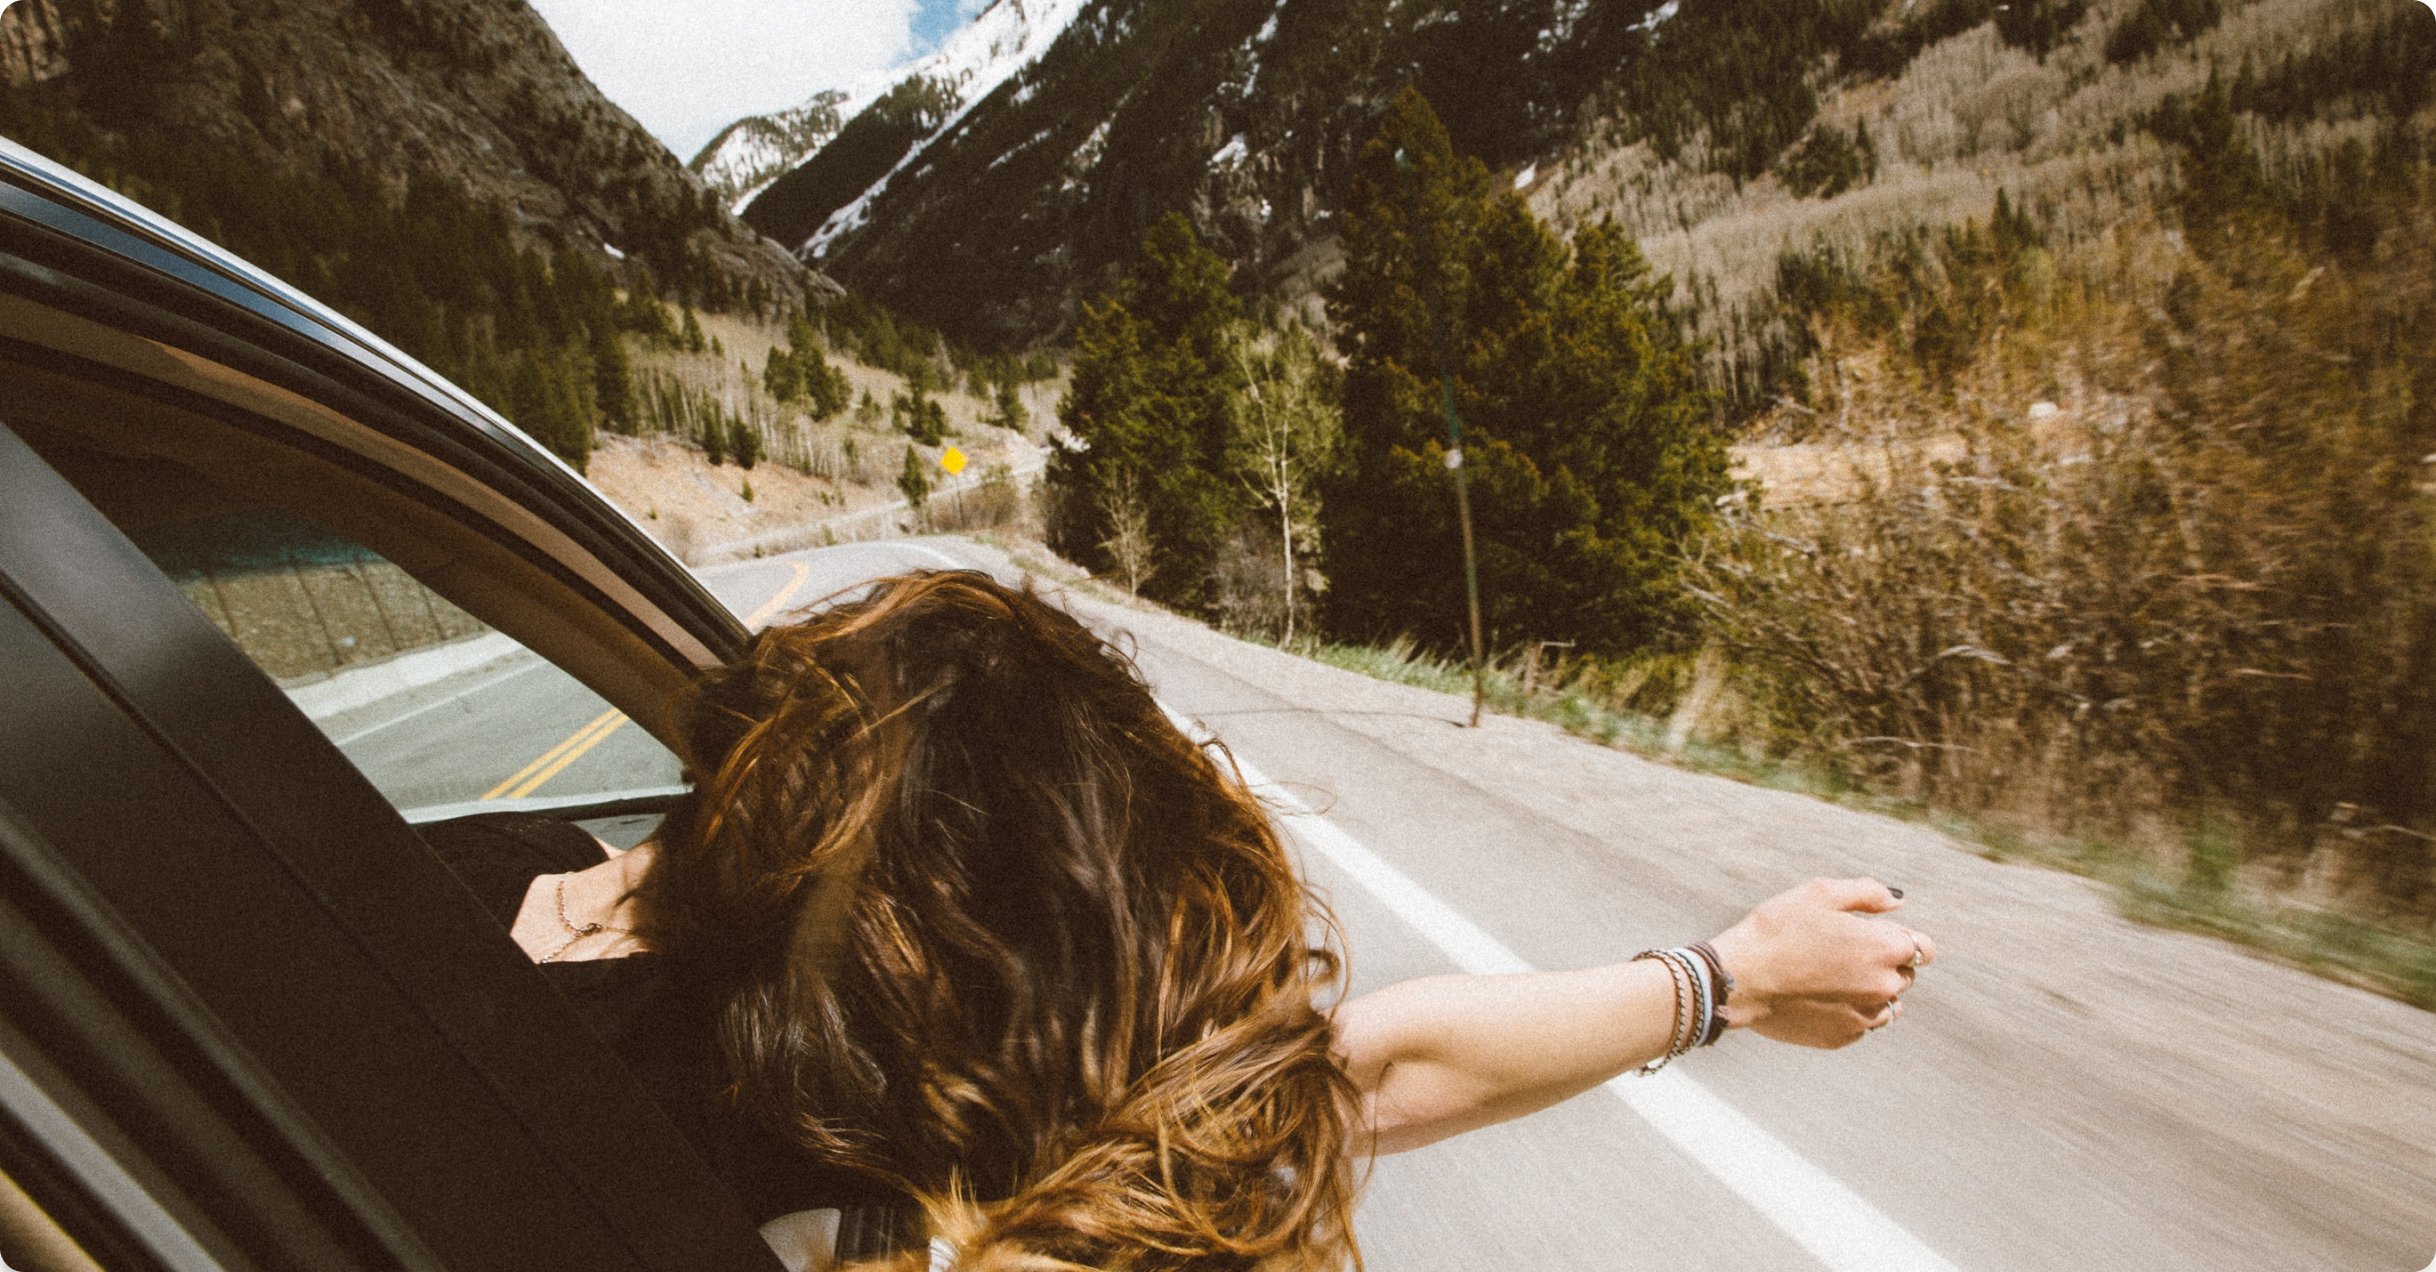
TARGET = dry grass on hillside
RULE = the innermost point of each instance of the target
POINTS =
(1968, 117)
(818, 480)
(2186, 611)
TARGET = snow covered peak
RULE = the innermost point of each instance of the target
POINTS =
(752, 152)
(1002, 40)
(970, 64)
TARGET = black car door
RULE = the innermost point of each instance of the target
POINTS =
(246, 1019)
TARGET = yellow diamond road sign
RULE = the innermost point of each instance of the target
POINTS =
(952, 460)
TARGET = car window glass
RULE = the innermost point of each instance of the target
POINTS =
(445, 715)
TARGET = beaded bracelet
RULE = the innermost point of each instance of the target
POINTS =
(1702, 987)
(1686, 990)
(1702, 1009)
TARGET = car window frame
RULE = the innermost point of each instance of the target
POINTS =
(158, 303)
(181, 685)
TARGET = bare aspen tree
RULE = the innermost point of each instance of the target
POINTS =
(1128, 514)
(1286, 433)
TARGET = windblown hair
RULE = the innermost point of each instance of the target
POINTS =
(989, 929)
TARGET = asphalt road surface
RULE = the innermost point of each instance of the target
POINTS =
(515, 727)
(2066, 1091)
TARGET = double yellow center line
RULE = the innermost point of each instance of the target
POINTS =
(803, 573)
(529, 778)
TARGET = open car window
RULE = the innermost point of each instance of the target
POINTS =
(221, 953)
(445, 715)
(229, 967)
(457, 667)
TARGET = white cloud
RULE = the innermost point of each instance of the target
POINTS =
(687, 68)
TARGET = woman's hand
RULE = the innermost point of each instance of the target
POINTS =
(1816, 968)
(1446, 1054)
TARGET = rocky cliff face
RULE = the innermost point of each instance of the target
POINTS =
(1242, 113)
(476, 93)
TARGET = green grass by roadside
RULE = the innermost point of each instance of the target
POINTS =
(2202, 897)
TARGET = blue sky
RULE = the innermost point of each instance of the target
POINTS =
(687, 68)
(938, 17)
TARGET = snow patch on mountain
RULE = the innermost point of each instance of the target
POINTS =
(751, 153)
(971, 63)
(1006, 37)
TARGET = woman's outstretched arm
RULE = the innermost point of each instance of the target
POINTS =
(1448, 1054)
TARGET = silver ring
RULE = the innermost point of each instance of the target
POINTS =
(1919, 955)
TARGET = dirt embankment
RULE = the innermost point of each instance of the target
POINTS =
(707, 513)
(843, 488)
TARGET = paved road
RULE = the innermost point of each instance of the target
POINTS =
(516, 727)
(2066, 1092)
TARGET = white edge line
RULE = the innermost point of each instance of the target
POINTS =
(893, 545)
(931, 552)
(452, 699)
(366, 685)
(1835, 1224)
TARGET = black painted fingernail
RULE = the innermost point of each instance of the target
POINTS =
(1898, 893)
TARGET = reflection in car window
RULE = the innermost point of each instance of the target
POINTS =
(443, 714)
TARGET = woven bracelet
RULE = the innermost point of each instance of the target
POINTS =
(1682, 980)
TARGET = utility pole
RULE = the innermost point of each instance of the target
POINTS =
(1454, 428)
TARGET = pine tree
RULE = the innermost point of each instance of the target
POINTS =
(2221, 177)
(644, 314)
(612, 377)
(1007, 410)
(920, 416)
(822, 384)
(1586, 440)
(1152, 396)
(743, 442)
(782, 376)
(914, 480)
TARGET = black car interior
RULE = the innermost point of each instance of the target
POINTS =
(285, 1035)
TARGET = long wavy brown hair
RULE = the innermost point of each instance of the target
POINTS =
(989, 929)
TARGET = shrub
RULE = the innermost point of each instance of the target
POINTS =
(2208, 593)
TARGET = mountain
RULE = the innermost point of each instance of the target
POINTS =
(992, 214)
(893, 115)
(749, 154)
(474, 97)
(1722, 134)
(907, 104)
